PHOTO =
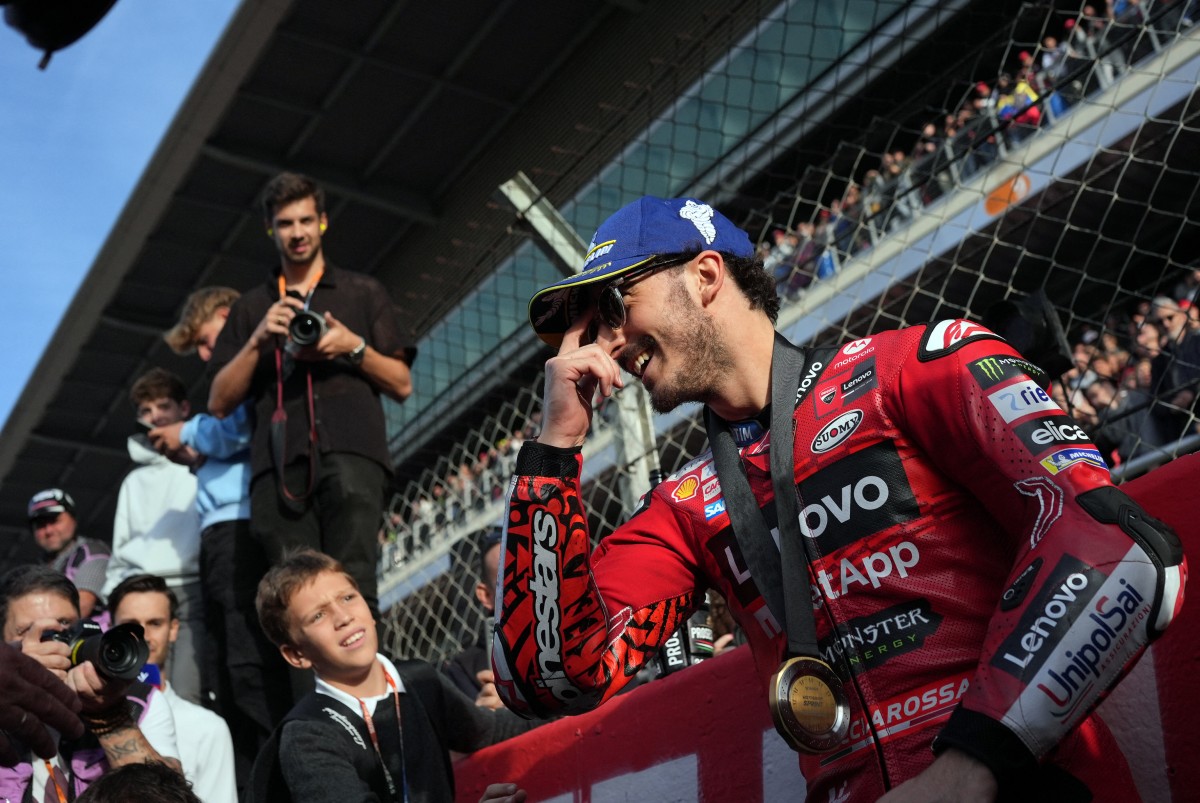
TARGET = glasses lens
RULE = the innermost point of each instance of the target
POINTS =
(611, 307)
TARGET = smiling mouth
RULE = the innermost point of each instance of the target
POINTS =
(637, 358)
(354, 639)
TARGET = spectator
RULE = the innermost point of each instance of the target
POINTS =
(84, 561)
(242, 668)
(310, 608)
(319, 456)
(157, 528)
(152, 782)
(471, 669)
(1176, 366)
(125, 722)
(205, 747)
(1188, 288)
(37, 708)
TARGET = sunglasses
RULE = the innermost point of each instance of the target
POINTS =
(610, 301)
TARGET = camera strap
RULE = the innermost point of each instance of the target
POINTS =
(279, 418)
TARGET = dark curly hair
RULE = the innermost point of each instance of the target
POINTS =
(287, 188)
(751, 277)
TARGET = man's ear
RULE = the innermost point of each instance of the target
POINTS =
(710, 275)
(223, 313)
(173, 633)
(484, 595)
(292, 654)
(186, 408)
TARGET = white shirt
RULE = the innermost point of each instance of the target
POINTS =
(205, 749)
(351, 702)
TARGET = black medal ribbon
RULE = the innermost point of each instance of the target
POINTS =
(804, 681)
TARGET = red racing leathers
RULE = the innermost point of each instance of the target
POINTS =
(974, 574)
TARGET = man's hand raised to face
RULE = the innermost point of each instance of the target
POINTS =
(573, 377)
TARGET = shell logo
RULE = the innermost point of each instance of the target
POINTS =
(686, 489)
(1010, 193)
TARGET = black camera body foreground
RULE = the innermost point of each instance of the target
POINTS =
(118, 654)
(307, 328)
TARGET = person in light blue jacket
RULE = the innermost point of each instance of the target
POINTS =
(248, 679)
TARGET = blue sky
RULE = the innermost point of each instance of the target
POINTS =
(74, 140)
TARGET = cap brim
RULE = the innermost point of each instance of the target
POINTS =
(553, 309)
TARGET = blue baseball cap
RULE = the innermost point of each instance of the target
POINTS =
(632, 237)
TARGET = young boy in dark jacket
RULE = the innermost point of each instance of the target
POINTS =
(372, 730)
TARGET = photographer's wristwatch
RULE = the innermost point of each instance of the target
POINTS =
(356, 356)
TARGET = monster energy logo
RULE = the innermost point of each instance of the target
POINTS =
(991, 368)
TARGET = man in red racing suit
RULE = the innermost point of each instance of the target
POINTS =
(977, 581)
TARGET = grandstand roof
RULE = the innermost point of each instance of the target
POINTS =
(410, 114)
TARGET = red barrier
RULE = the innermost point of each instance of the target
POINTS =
(706, 734)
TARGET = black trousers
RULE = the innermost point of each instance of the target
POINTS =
(244, 670)
(341, 517)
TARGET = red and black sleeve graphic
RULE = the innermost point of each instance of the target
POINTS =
(573, 629)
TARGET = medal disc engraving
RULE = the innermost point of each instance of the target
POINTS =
(809, 705)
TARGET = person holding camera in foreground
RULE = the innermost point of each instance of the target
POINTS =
(313, 346)
(952, 585)
(205, 746)
(125, 721)
(373, 730)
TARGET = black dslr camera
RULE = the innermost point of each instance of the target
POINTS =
(306, 328)
(118, 654)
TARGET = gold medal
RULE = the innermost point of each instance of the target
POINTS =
(809, 705)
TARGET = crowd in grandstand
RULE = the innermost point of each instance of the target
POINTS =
(998, 112)
(1133, 384)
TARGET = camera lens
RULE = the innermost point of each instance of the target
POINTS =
(306, 328)
(119, 653)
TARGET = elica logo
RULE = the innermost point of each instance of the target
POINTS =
(547, 616)
(836, 431)
(1020, 399)
(1042, 433)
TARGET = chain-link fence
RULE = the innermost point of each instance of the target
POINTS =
(1033, 167)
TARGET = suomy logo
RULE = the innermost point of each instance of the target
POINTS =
(836, 431)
